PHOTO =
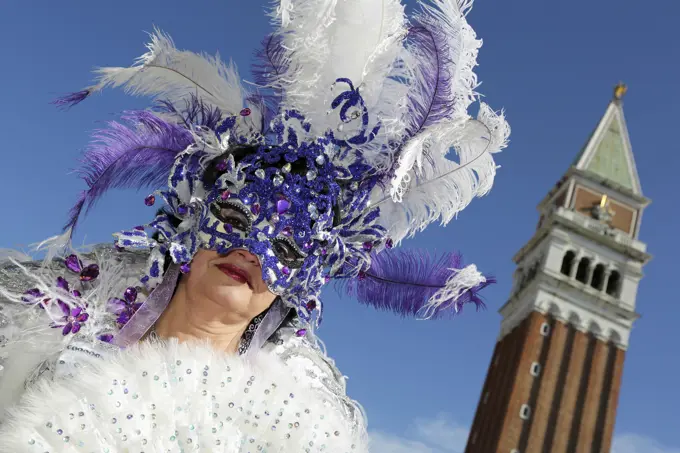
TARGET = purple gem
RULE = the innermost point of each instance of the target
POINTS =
(62, 283)
(301, 332)
(106, 338)
(311, 305)
(327, 279)
(228, 227)
(76, 293)
(362, 275)
(324, 251)
(139, 228)
(89, 273)
(245, 112)
(287, 231)
(389, 243)
(282, 205)
(285, 270)
(255, 208)
(225, 195)
(307, 245)
(185, 268)
(221, 165)
(73, 263)
(368, 246)
(150, 200)
(182, 210)
(130, 294)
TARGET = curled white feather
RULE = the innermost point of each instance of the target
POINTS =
(175, 75)
(440, 188)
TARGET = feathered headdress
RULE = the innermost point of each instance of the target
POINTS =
(370, 107)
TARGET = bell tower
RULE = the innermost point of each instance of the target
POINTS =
(555, 374)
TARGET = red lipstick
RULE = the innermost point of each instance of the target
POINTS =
(235, 272)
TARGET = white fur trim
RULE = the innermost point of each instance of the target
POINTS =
(177, 398)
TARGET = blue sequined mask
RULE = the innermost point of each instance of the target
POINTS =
(300, 206)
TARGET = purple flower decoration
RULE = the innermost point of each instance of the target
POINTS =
(75, 265)
(72, 319)
(125, 307)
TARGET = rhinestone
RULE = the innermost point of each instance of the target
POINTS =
(311, 175)
(60, 432)
(278, 180)
(286, 168)
(313, 211)
(188, 370)
(260, 173)
(320, 159)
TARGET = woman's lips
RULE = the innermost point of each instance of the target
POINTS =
(235, 272)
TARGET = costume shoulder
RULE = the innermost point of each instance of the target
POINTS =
(165, 396)
(46, 305)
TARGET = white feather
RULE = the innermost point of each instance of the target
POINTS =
(175, 75)
(330, 39)
(440, 188)
(461, 280)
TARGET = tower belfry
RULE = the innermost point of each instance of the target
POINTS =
(554, 378)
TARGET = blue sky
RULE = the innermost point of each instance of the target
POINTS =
(551, 65)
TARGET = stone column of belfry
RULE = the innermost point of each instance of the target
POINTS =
(586, 429)
(573, 372)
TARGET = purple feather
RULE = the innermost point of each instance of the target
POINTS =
(194, 112)
(71, 99)
(136, 156)
(272, 62)
(403, 281)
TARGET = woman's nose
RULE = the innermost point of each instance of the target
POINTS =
(249, 257)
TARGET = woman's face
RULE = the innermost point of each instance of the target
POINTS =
(233, 281)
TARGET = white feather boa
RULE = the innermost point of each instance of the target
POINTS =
(178, 398)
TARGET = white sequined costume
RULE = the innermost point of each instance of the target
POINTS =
(78, 394)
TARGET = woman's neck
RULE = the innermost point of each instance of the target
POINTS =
(186, 319)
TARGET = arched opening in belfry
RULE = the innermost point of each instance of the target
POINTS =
(598, 277)
(568, 262)
(614, 284)
(582, 270)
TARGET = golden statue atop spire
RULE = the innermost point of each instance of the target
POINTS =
(620, 91)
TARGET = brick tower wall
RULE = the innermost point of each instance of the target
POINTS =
(571, 395)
